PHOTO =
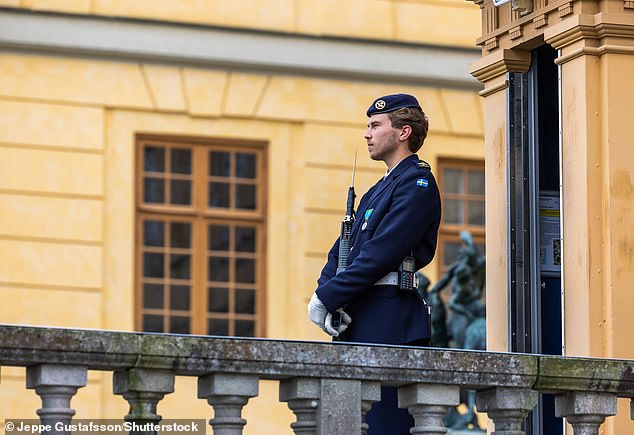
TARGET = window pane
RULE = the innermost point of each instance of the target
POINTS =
(153, 233)
(152, 296)
(218, 269)
(245, 165)
(218, 300)
(245, 301)
(452, 211)
(154, 159)
(450, 252)
(476, 182)
(181, 161)
(245, 328)
(245, 270)
(152, 323)
(452, 181)
(218, 238)
(179, 325)
(180, 235)
(181, 192)
(245, 239)
(218, 195)
(218, 327)
(154, 190)
(219, 164)
(153, 265)
(245, 196)
(476, 213)
(179, 266)
(480, 248)
(179, 297)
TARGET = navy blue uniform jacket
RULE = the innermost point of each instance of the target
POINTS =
(404, 215)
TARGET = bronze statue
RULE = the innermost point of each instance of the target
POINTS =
(463, 326)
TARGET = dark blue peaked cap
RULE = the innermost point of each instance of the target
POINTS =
(390, 103)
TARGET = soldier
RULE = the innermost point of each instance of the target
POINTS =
(394, 235)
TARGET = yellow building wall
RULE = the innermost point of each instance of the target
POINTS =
(391, 20)
(67, 128)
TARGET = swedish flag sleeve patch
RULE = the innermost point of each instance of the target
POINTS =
(422, 182)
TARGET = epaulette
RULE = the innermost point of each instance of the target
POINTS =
(423, 164)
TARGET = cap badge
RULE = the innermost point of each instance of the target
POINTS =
(380, 105)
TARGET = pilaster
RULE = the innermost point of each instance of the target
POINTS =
(492, 70)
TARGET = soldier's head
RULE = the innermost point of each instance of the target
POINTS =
(402, 110)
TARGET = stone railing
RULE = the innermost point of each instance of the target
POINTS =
(329, 386)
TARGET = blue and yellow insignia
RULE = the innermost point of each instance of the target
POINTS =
(422, 182)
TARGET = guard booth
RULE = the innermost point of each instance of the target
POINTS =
(558, 81)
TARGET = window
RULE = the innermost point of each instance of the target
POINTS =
(462, 190)
(200, 236)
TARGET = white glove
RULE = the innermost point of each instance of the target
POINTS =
(344, 321)
(317, 312)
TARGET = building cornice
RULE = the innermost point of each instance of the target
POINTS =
(497, 64)
(508, 27)
(239, 50)
(592, 35)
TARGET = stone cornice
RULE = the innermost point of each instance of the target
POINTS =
(510, 28)
(502, 61)
(593, 35)
(240, 50)
(554, 20)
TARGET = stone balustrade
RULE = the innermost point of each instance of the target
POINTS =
(328, 386)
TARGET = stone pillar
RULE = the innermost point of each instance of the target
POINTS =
(507, 407)
(586, 412)
(370, 393)
(56, 385)
(339, 411)
(227, 393)
(143, 389)
(428, 404)
(302, 396)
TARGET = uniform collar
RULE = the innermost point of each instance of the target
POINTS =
(399, 167)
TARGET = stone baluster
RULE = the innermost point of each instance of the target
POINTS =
(56, 385)
(302, 397)
(227, 393)
(585, 411)
(339, 411)
(370, 393)
(143, 389)
(507, 407)
(428, 404)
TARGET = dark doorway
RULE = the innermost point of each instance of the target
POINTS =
(535, 292)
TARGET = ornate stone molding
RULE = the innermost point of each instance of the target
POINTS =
(509, 26)
(492, 69)
(517, 22)
(499, 63)
(540, 21)
(593, 35)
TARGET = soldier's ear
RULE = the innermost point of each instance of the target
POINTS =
(406, 132)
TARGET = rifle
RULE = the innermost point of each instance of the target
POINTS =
(346, 224)
(346, 233)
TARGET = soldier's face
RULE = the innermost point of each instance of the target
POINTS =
(381, 137)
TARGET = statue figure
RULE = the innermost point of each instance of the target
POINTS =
(464, 326)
